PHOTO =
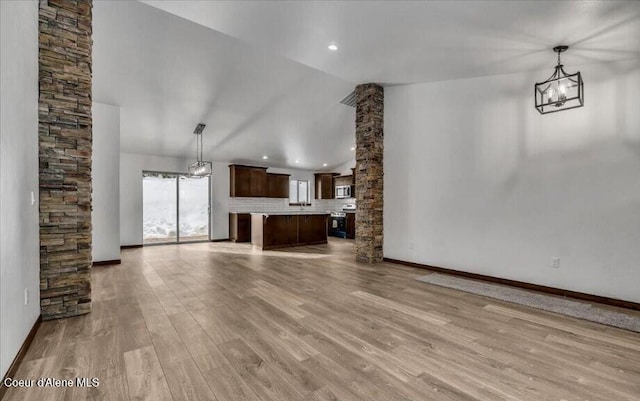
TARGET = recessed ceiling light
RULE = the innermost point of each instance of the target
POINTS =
(265, 157)
(353, 148)
(297, 161)
(324, 165)
(332, 46)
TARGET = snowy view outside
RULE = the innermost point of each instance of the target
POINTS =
(159, 208)
(194, 208)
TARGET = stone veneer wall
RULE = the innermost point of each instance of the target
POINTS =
(369, 172)
(65, 130)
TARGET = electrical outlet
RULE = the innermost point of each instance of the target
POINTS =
(555, 263)
(26, 296)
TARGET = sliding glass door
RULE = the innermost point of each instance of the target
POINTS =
(175, 208)
(193, 208)
(159, 208)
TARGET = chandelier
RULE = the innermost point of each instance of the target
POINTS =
(561, 91)
(199, 168)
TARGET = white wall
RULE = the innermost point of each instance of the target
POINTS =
(219, 201)
(476, 180)
(105, 172)
(19, 235)
(131, 168)
(345, 169)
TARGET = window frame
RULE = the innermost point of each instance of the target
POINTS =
(308, 203)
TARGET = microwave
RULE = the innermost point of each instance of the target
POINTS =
(343, 191)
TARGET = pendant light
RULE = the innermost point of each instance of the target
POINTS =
(561, 91)
(199, 168)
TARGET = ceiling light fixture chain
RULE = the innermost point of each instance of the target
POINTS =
(201, 146)
(200, 168)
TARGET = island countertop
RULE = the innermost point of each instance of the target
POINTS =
(293, 213)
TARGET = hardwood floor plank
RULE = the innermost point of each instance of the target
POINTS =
(131, 328)
(115, 389)
(276, 354)
(433, 389)
(358, 374)
(586, 329)
(261, 377)
(107, 355)
(145, 378)
(428, 317)
(460, 373)
(285, 304)
(291, 342)
(186, 382)
(33, 369)
(76, 362)
(228, 385)
(47, 340)
(203, 351)
(384, 360)
(213, 325)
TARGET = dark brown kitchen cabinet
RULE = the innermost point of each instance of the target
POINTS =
(239, 180)
(240, 227)
(353, 182)
(280, 230)
(324, 185)
(247, 181)
(312, 228)
(343, 180)
(258, 182)
(277, 185)
(285, 230)
(351, 225)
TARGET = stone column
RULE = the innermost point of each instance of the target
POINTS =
(369, 172)
(64, 132)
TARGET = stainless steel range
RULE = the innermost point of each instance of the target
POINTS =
(338, 224)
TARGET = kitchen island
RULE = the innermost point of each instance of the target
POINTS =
(281, 230)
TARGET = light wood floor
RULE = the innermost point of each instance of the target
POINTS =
(220, 321)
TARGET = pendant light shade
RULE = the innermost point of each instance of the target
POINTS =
(561, 91)
(200, 168)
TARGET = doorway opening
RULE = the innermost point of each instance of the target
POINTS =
(176, 208)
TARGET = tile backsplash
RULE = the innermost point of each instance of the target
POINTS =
(257, 205)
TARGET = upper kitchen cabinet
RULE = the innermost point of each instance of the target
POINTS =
(247, 181)
(277, 185)
(324, 185)
(343, 180)
(345, 185)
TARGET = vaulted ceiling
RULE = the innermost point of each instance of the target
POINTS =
(169, 74)
(397, 42)
(259, 73)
